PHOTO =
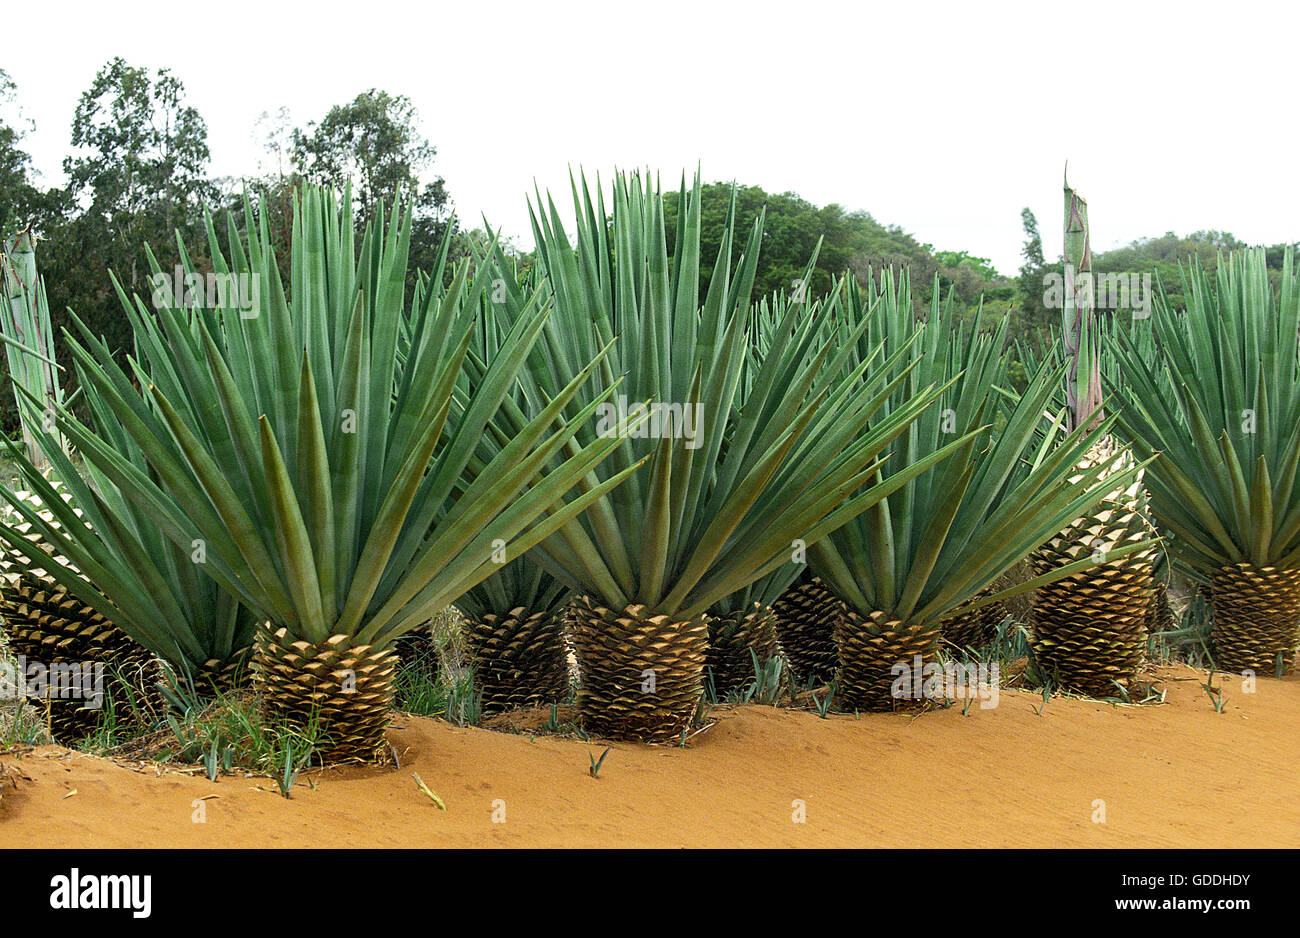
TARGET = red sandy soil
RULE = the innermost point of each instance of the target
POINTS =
(1171, 775)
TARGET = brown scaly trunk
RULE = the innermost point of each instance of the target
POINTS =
(520, 658)
(118, 667)
(807, 615)
(417, 649)
(732, 637)
(1089, 629)
(345, 688)
(871, 650)
(46, 624)
(974, 628)
(642, 672)
(1160, 614)
(216, 677)
(1256, 614)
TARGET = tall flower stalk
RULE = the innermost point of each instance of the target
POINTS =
(29, 339)
(1089, 631)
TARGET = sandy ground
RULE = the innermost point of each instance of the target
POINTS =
(1176, 775)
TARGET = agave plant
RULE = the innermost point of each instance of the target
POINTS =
(1090, 630)
(804, 614)
(513, 621)
(47, 616)
(514, 631)
(734, 479)
(49, 619)
(934, 548)
(783, 611)
(145, 591)
(1219, 408)
(149, 596)
(743, 631)
(1136, 332)
(325, 482)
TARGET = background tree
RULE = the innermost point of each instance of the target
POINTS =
(19, 199)
(850, 241)
(1035, 318)
(1161, 257)
(139, 173)
(138, 176)
(374, 141)
(270, 189)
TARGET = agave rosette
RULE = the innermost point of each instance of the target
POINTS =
(936, 546)
(51, 613)
(1219, 410)
(327, 478)
(737, 473)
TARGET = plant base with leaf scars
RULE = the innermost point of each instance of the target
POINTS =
(642, 672)
(345, 688)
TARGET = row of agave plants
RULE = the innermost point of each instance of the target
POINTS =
(596, 454)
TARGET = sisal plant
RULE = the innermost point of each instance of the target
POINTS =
(727, 474)
(1218, 410)
(934, 549)
(327, 479)
(50, 619)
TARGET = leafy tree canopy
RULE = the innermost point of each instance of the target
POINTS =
(850, 241)
(18, 197)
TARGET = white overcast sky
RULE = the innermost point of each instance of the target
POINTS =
(944, 118)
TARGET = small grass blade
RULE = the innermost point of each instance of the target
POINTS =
(433, 796)
(597, 763)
